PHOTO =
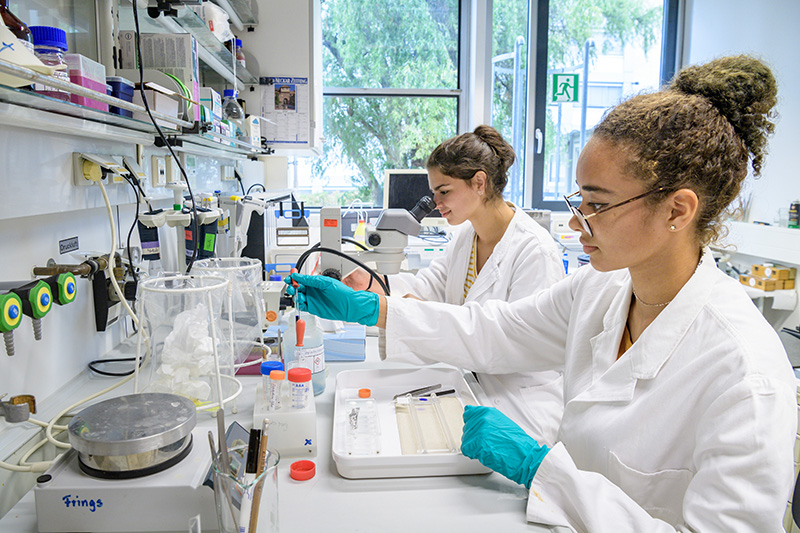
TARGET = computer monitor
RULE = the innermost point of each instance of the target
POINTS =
(404, 187)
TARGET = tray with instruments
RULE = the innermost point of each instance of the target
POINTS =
(401, 423)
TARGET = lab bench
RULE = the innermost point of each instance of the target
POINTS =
(331, 503)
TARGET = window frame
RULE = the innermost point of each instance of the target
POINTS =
(537, 98)
(460, 93)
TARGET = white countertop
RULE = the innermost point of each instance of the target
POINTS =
(330, 503)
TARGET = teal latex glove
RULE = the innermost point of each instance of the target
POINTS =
(498, 443)
(332, 299)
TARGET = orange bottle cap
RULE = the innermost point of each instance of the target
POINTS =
(277, 375)
(364, 393)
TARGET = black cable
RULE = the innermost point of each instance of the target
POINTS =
(317, 248)
(130, 180)
(92, 367)
(238, 177)
(255, 185)
(195, 228)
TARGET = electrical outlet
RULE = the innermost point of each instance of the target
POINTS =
(226, 173)
(158, 171)
(90, 168)
(116, 178)
(173, 172)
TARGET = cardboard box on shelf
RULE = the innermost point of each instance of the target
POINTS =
(171, 53)
(773, 271)
(157, 101)
(765, 284)
(211, 99)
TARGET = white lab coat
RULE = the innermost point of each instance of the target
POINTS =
(692, 429)
(525, 261)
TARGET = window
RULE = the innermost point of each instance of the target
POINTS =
(391, 94)
(510, 45)
(591, 54)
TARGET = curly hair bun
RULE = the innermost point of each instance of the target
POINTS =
(499, 146)
(742, 89)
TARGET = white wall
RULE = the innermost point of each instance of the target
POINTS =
(769, 30)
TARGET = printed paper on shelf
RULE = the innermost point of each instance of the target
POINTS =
(12, 51)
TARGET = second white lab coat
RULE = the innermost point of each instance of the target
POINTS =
(525, 261)
(692, 429)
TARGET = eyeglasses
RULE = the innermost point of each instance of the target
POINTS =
(584, 218)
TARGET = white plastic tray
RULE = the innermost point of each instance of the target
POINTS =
(390, 462)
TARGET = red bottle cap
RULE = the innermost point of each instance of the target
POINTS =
(302, 470)
(299, 375)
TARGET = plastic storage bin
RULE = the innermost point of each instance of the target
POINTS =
(121, 88)
(87, 73)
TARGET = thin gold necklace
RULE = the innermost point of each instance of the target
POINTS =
(647, 304)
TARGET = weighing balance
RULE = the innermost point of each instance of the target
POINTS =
(137, 464)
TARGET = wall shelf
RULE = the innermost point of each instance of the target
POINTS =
(211, 51)
(773, 243)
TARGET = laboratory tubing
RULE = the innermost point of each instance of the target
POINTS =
(16, 26)
(266, 368)
(299, 385)
(275, 381)
(49, 46)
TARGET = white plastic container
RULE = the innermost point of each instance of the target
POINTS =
(388, 461)
(311, 355)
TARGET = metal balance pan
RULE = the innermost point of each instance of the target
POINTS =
(133, 436)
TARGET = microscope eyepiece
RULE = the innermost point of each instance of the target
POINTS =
(424, 206)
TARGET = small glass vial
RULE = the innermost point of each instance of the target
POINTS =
(276, 378)
(240, 54)
(49, 45)
(299, 387)
(266, 368)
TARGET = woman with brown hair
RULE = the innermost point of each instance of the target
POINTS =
(497, 253)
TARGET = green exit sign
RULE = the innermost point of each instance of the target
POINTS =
(565, 88)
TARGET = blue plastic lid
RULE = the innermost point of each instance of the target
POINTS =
(121, 81)
(269, 366)
(49, 36)
(229, 92)
(239, 43)
(275, 277)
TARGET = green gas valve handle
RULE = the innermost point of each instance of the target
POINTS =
(10, 318)
(63, 287)
(36, 303)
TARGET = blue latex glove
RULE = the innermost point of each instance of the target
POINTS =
(332, 299)
(498, 443)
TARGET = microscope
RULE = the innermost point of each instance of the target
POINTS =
(386, 240)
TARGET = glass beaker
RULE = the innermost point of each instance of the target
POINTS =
(188, 346)
(247, 499)
(247, 310)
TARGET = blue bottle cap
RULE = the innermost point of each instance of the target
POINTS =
(49, 36)
(275, 277)
(228, 92)
(239, 43)
(269, 366)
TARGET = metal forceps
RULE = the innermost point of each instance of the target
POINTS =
(418, 392)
